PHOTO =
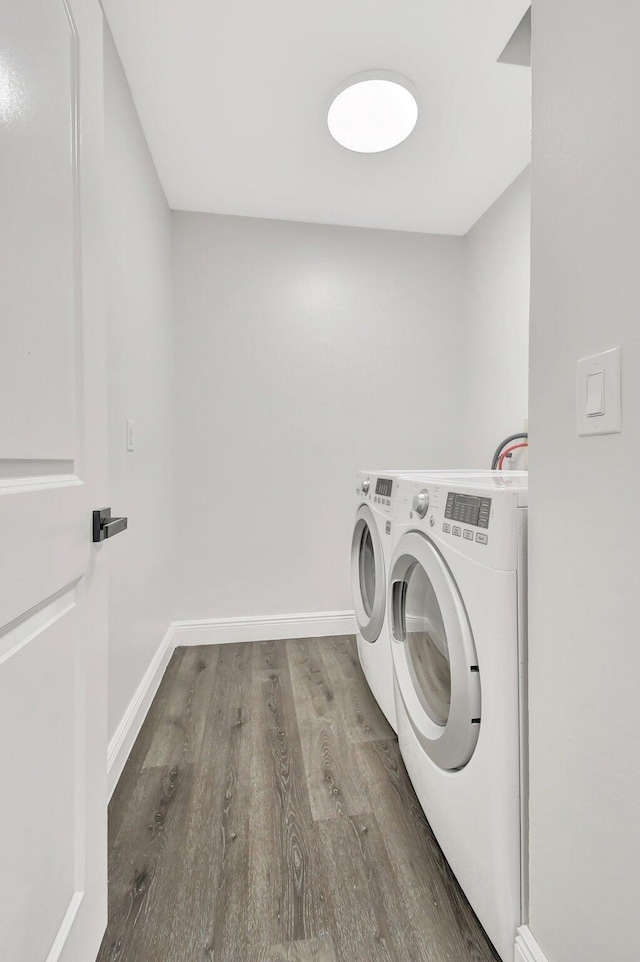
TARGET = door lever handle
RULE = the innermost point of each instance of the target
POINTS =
(104, 526)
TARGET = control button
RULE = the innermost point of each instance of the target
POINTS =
(432, 521)
(365, 485)
(446, 528)
(468, 534)
(456, 531)
(482, 538)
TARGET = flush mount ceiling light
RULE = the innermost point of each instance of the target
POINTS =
(372, 112)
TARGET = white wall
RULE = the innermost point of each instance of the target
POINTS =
(497, 291)
(585, 527)
(302, 353)
(138, 262)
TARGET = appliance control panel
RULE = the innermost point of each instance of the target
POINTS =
(468, 508)
(376, 491)
(482, 525)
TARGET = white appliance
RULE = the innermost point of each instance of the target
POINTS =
(457, 620)
(371, 549)
(370, 555)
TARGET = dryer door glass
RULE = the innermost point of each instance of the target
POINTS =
(367, 567)
(427, 648)
(367, 575)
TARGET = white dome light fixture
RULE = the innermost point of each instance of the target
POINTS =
(373, 111)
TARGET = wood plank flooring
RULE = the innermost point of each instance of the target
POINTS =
(265, 815)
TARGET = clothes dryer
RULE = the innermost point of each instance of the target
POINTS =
(457, 620)
(371, 549)
(370, 556)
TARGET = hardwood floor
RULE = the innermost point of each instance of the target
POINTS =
(265, 815)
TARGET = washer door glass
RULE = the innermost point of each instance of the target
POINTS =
(434, 655)
(427, 648)
(367, 568)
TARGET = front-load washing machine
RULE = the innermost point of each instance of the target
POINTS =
(457, 619)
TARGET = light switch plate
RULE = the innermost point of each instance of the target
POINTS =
(130, 435)
(610, 364)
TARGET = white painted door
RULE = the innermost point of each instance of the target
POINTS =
(53, 796)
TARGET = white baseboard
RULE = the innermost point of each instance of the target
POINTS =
(127, 731)
(65, 927)
(221, 631)
(526, 948)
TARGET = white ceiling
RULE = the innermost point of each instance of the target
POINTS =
(233, 98)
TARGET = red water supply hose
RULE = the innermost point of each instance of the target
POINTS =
(514, 447)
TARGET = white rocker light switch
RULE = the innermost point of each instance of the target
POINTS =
(599, 393)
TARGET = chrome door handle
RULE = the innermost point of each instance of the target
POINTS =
(104, 526)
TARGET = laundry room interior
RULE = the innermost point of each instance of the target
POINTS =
(330, 681)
